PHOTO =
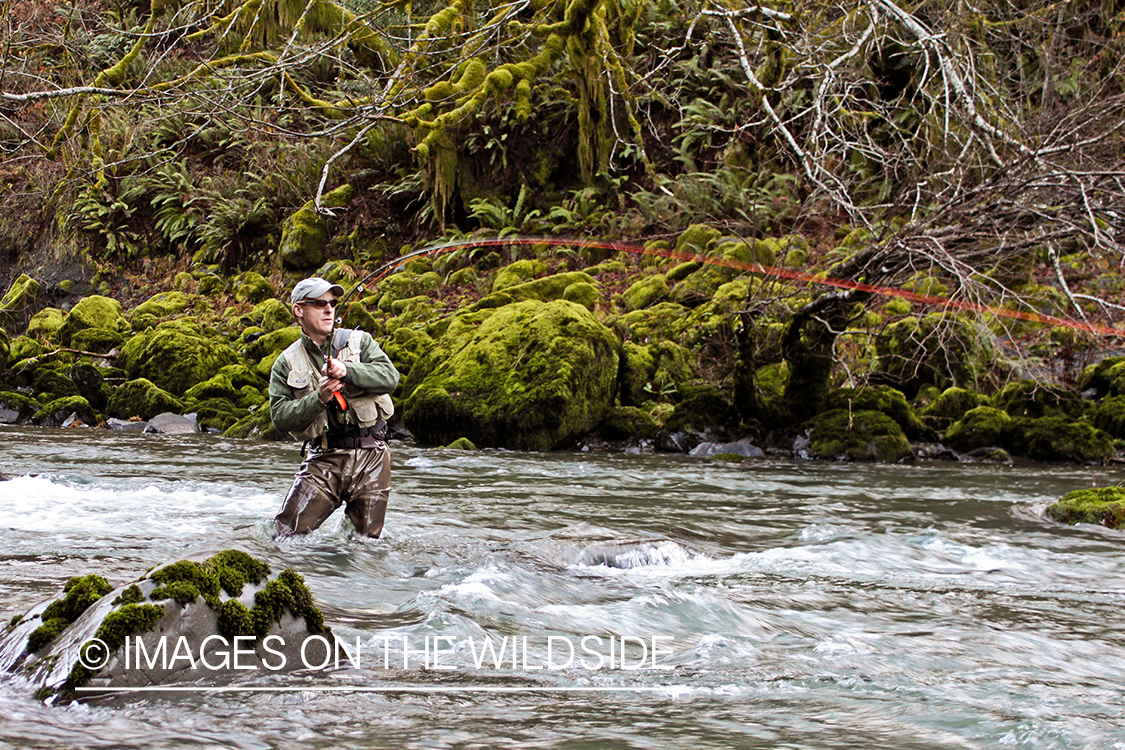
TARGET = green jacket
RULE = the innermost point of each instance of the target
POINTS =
(374, 373)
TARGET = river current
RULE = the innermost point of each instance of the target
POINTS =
(769, 603)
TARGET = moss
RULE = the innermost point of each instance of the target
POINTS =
(175, 356)
(79, 595)
(882, 399)
(179, 591)
(257, 425)
(217, 386)
(235, 620)
(252, 287)
(701, 408)
(286, 592)
(463, 277)
(45, 323)
(357, 316)
(950, 406)
(24, 406)
(517, 273)
(624, 422)
(638, 366)
(982, 427)
(542, 290)
(683, 270)
(211, 286)
(858, 436)
(227, 571)
(143, 321)
(1058, 439)
(58, 410)
(530, 375)
(1104, 377)
(98, 340)
(462, 444)
(405, 346)
(141, 398)
(51, 380)
(405, 285)
(270, 345)
(664, 320)
(92, 312)
(1109, 416)
(698, 239)
(582, 293)
(18, 302)
(645, 292)
(23, 347)
(131, 595)
(241, 376)
(271, 314)
(941, 349)
(1104, 506)
(304, 235)
(1027, 398)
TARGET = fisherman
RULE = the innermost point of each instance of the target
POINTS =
(330, 389)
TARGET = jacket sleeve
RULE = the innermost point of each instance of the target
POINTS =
(290, 414)
(374, 372)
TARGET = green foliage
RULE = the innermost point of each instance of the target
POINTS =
(79, 594)
(1104, 506)
(858, 436)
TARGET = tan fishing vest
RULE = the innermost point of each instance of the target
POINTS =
(364, 409)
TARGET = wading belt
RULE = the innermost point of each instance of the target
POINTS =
(366, 437)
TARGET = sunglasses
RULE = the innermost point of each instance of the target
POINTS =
(320, 304)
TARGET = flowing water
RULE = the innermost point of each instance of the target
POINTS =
(773, 603)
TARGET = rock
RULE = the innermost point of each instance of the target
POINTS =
(645, 292)
(304, 235)
(1104, 506)
(951, 405)
(175, 356)
(126, 425)
(271, 315)
(94, 311)
(743, 448)
(180, 623)
(45, 323)
(257, 425)
(542, 290)
(703, 407)
(162, 305)
(265, 349)
(252, 287)
(981, 427)
(1058, 439)
(624, 422)
(99, 340)
(16, 408)
(530, 375)
(55, 413)
(857, 436)
(582, 293)
(462, 444)
(141, 398)
(20, 302)
(168, 423)
(516, 273)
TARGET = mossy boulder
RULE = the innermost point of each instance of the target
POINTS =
(252, 287)
(645, 292)
(530, 375)
(405, 346)
(357, 316)
(210, 285)
(20, 303)
(982, 427)
(857, 436)
(940, 349)
(625, 422)
(175, 356)
(141, 398)
(54, 380)
(305, 234)
(697, 239)
(1027, 398)
(55, 413)
(271, 315)
(16, 408)
(217, 386)
(405, 285)
(542, 290)
(664, 320)
(883, 399)
(256, 425)
(264, 350)
(216, 414)
(1103, 506)
(45, 324)
(23, 348)
(702, 408)
(517, 273)
(462, 444)
(5, 349)
(90, 382)
(162, 306)
(1109, 416)
(1105, 378)
(94, 311)
(950, 405)
(99, 340)
(582, 293)
(1058, 439)
(657, 371)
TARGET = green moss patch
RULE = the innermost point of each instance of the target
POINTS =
(175, 356)
(1104, 506)
(142, 398)
(80, 593)
(858, 436)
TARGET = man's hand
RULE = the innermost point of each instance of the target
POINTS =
(328, 386)
(334, 368)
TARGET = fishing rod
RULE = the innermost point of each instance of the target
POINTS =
(747, 266)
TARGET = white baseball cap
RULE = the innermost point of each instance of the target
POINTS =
(312, 288)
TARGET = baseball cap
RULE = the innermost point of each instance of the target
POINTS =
(312, 288)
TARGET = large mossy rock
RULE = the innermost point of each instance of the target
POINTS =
(271, 315)
(952, 404)
(542, 290)
(20, 303)
(141, 398)
(1106, 378)
(252, 287)
(1104, 506)
(885, 399)
(203, 607)
(982, 427)
(45, 323)
(941, 349)
(1026, 398)
(161, 306)
(858, 436)
(175, 356)
(645, 292)
(304, 235)
(529, 375)
(1058, 439)
(92, 312)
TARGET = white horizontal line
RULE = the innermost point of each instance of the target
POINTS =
(377, 689)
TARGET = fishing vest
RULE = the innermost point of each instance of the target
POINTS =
(364, 409)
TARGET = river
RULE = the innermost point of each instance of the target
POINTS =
(770, 603)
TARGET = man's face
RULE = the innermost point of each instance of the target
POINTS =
(314, 320)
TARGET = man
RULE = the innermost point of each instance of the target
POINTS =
(333, 396)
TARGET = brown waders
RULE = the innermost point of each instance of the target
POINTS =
(359, 477)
